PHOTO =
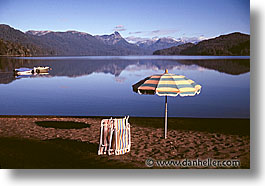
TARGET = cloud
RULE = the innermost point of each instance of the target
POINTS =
(162, 32)
(134, 39)
(137, 32)
(119, 28)
(156, 33)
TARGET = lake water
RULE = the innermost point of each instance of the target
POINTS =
(100, 86)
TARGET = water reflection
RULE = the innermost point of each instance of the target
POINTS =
(34, 75)
(103, 87)
(75, 67)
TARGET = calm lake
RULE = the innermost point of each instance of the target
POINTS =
(99, 86)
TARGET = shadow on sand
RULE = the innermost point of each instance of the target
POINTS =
(56, 153)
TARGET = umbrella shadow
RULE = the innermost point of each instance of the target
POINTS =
(62, 124)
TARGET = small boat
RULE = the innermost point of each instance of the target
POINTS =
(23, 71)
(41, 69)
(29, 71)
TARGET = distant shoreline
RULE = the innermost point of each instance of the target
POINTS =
(131, 57)
(118, 55)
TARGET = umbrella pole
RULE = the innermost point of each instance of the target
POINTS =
(166, 117)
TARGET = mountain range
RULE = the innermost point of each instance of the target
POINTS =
(234, 44)
(158, 43)
(73, 43)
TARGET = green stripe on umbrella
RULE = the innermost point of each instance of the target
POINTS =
(167, 85)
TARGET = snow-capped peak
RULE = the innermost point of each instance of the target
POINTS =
(76, 32)
(38, 33)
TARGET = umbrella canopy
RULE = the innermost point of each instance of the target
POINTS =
(167, 85)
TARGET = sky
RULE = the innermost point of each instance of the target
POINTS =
(133, 19)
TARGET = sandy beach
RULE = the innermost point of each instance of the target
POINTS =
(49, 142)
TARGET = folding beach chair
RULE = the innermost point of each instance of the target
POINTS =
(115, 136)
(105, 130)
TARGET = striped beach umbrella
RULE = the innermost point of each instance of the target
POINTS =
(167, 85)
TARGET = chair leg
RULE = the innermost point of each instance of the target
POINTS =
(129, 138)
(116, 140)
(100, 140)
(110, 141)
